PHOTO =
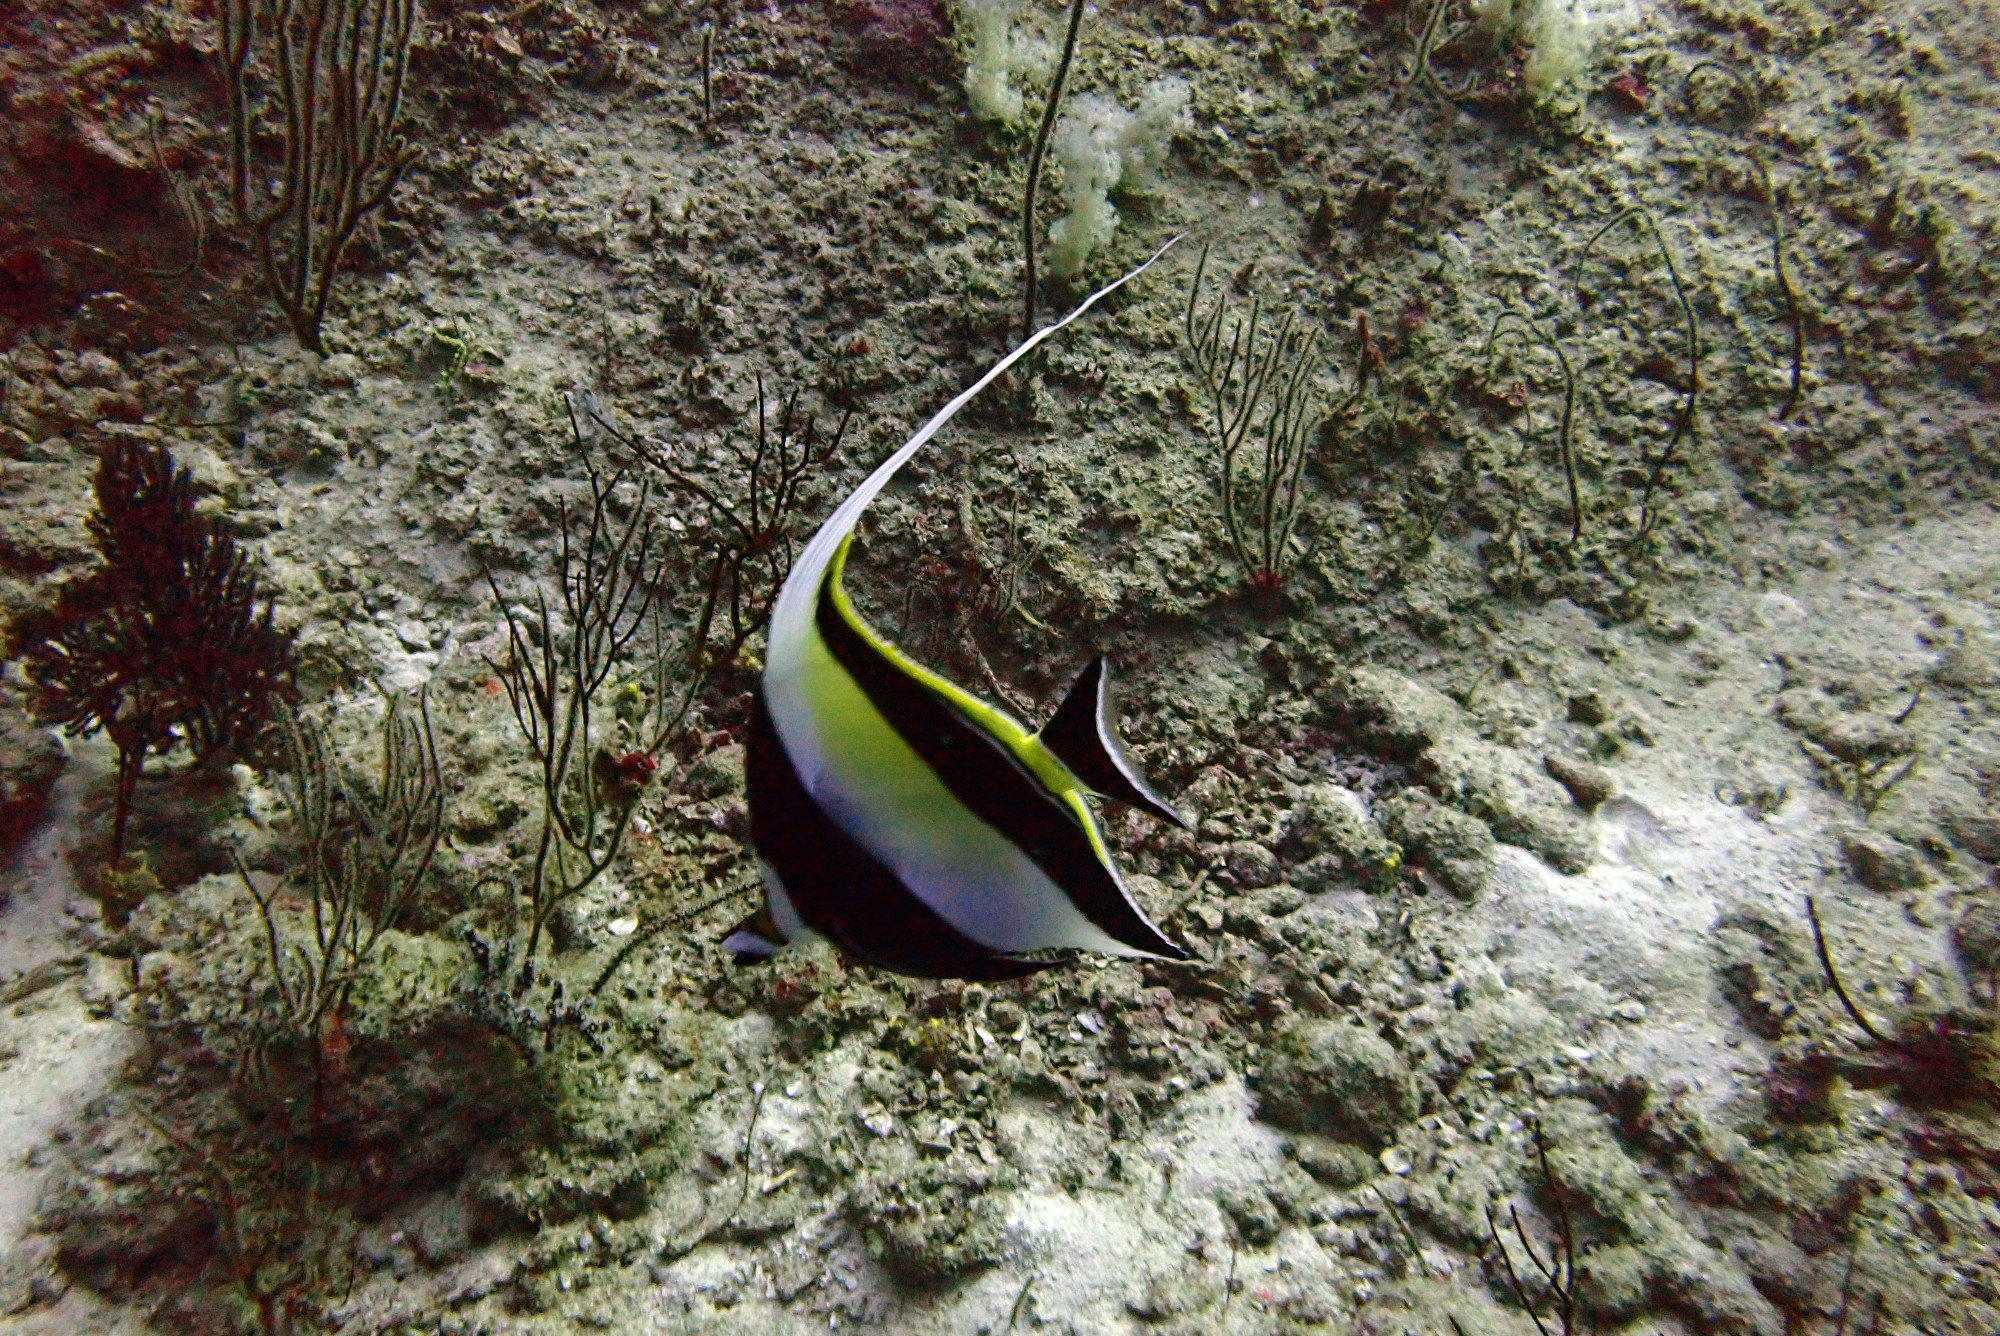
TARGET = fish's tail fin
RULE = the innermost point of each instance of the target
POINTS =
(755, 940)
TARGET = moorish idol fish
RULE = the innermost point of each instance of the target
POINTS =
(905, 820)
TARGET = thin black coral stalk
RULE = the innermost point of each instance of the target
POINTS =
(1684, 421)
(1558, 1269)
(1753, 110)
(1938, 1060)
(1029, 291)
(1511, 321)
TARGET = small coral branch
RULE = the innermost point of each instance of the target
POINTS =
(283, 1242)
(1432, 38)
(1259, 387)
(1862, 760)
(365, 852)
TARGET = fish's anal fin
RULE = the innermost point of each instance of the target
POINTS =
(754, 940)
(1083, 735)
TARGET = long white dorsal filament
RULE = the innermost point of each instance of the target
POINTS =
(794, 610)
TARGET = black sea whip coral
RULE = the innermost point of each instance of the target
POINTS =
(162, 643)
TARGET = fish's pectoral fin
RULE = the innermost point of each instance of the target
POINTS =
(755, 940)
(1083, 735)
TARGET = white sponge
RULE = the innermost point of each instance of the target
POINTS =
(1100, 146)
(1559, 47)
(1000, 50)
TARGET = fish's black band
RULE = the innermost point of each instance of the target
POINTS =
(841, 890)
(981, 773)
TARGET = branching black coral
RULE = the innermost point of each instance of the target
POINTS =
(1261, 387)
(165, 641)
(754, 537)
(558, 661)
(340, 67)
(366, 850)
(613, 577)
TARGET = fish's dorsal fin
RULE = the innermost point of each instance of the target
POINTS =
(791, 616)
(1083, 735)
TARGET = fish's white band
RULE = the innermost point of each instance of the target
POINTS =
(784, 914)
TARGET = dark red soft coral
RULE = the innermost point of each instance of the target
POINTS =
(1629, 91)
(897, 40)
